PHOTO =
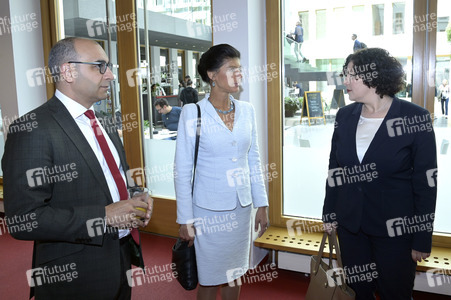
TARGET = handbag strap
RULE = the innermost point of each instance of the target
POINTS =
(196, 147)
(333, 243)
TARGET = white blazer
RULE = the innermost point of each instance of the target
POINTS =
(228, 163)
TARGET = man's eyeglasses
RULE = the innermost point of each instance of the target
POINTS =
(101, 64)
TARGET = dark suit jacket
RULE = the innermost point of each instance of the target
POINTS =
(63, 208)
(403, 155)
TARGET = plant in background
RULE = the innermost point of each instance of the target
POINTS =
(146, 124)
(291, 106)
(448, 32)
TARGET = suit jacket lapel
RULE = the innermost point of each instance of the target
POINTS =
(68, 125)
(382, 133)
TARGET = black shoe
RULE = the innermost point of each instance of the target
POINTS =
(304, 60)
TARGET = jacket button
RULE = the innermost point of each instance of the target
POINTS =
(234, 159)
(234, 143)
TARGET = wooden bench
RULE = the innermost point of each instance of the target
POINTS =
(278, 239)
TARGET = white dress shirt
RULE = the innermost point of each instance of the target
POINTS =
(77, 112)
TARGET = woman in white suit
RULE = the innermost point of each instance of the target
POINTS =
(228, 178)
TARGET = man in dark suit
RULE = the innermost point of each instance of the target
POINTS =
(67, 176)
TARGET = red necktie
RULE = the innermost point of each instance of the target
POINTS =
(123, 193)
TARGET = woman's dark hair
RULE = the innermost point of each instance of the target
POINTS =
(214, 58)
(378, 69)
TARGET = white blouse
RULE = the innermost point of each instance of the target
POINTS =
(366, 130)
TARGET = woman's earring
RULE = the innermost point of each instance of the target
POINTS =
(213, 84)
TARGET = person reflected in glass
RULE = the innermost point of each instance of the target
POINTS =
(189, 94)
(170, 114)
(216, 217)
(444, 92)
(299, 39)
(382, 184)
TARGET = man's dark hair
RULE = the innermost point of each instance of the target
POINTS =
(161, 102)
(378, 69)
(214, 58)
(62, 52)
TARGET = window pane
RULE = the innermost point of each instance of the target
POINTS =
(306, 146)
(179, 33)
(442, 123)
(398, 18)
(321, 24)
(378, 19)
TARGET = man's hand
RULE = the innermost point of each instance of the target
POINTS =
(187, 233)
(261, 218)
(130, 213)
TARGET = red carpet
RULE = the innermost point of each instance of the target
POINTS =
(15, 259)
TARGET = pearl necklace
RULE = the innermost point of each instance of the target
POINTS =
(232, 106)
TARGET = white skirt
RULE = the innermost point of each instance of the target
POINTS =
(222, 242)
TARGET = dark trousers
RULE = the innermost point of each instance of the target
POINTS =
(125, 290)
(444, 102)
(378, 263)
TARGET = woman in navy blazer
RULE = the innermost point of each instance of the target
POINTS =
(381, 187)
(228, 178)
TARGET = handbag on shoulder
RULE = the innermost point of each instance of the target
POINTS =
(184, 257)
(327, 282)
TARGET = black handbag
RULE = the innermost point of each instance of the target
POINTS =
(184, 257)
(184, 262)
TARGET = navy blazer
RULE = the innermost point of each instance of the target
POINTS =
(392, 192)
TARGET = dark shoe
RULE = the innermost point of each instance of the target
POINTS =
(304, 60)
